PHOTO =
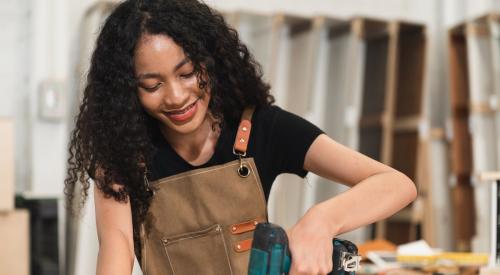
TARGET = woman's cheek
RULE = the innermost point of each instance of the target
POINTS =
(192, 82)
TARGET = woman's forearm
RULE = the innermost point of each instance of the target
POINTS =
(114, 256)
(373, 199)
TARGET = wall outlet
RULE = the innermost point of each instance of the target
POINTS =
(52, 100)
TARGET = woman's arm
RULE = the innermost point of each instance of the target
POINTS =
(378, 191)
(114, 230)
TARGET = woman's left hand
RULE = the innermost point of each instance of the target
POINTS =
(310, 242)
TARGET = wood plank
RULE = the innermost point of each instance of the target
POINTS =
(482, 124)
(411, 64)
(403, 108)
(489, 176)
(461, 144)
(408, 123)
(15, 252)
(459, 74)
(7, 164)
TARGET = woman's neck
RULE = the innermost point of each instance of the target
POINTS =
(196, 147)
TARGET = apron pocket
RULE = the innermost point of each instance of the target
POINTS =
(199, 252)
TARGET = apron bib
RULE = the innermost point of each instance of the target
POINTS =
(202, 221)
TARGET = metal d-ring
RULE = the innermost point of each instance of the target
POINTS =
(146, 182)
(243, 169)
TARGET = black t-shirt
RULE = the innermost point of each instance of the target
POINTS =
(278, 143)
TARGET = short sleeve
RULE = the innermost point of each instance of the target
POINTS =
(291, 136)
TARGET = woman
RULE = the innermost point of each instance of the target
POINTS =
(179, 133)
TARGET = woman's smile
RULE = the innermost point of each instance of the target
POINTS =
(183, 114)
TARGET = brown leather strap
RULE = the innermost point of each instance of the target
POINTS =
(243, 134)
(243, 246)
(244, 227)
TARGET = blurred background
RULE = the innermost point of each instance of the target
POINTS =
(412, 83)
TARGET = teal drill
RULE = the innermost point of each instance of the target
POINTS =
(270, 254)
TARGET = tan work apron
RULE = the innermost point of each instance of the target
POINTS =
(202, 221)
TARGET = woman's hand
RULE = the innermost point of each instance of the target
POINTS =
(310, 242)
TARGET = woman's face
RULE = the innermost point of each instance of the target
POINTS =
(167, 85)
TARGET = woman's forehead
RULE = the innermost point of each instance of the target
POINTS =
(156, 43)
(157, 48)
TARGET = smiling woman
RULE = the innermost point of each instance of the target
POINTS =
(173, 111)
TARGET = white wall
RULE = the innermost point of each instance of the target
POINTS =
(14, 60)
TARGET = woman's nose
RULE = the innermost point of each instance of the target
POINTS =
(175, 97)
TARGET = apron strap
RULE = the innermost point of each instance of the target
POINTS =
(243, 134)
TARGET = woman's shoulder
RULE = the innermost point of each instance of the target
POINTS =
(266, 113)
(273, 115)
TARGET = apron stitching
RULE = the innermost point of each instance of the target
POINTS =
(227, 253)
(200, 172)
(191, 237)
(259, 186)
(168, 257)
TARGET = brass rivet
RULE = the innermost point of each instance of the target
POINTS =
(234, 228)
(244, 129)
(238, 247)
(255, 222)
(242, 140)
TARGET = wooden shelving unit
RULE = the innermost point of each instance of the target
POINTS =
(372, 97)
(475, 86)
(391, 115)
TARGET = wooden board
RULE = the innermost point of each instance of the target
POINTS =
(14, 237)
(374, 90)
(464, 216)
(482, 122)
(461, 143)
(406, 144)
(399, 109)
(411, 65)
(376, 37)
(6, 164)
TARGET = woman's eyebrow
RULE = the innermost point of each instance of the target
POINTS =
(148, 75)
(184, 61)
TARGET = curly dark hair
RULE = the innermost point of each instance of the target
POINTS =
(113, 135)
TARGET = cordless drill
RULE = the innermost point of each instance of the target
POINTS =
(270, 254)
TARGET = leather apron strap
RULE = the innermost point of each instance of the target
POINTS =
(243, 134)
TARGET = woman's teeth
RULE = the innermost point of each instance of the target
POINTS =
(183, 110)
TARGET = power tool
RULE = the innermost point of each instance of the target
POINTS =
(270, 254)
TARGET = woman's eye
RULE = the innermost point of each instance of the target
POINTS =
(188, 75)
(153, 88)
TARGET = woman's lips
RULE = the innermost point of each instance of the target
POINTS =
(184, 114)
